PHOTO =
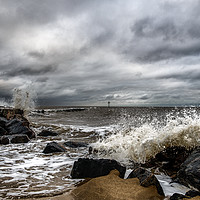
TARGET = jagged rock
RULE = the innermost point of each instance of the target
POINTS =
(189, 174)
(169, 160)
(192, 193)
(146, 178)
(73, 144)
(15, 126)
(2, 131)
(14, 139)
(177, 196)
(3, 121)
(53, 147)
(91, 168)
(46, 133)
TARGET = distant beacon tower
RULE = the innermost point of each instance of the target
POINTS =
(108, 103)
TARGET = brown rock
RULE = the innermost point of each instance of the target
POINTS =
(112, 187)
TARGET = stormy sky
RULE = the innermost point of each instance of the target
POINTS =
(89, 52)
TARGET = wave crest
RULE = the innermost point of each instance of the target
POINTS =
(144, 142)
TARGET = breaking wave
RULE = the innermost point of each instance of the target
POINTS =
(24, 98)
(140, 143)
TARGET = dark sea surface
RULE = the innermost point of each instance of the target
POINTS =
(122, 133)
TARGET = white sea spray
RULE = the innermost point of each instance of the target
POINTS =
(24, 98)
(5, 103)
(140, 143)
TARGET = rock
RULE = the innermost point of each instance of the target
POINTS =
(14, 139)
(46, 133)
(53, 147)
(177, 196)
(192, 193)
(112, 187)
(3, 121)
(169, 160)
(91, 168)
(19, 138)
(146, 178)
(75, 144)
(5, 139)
(15, 126)
(2, 131)
(189, 173)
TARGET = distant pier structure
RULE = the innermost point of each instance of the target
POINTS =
(108, 104)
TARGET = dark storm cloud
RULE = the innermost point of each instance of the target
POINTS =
(30, 71)
(91, 51)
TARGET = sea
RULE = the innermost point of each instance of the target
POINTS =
(126, 134)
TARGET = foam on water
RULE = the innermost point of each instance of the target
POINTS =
(27, 172)
(140, 143)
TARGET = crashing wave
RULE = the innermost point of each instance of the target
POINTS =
(144, 142)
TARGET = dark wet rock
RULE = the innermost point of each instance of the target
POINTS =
(189, 173)
(3, 121)
(53, 147)
(146, 178)
(19, 138)
(73, 144)
(2, 131)
(40, 111)
(177, 196)
(46, 133)
(15, 126)
(192, 193)
(5, 139)
(91, 168)
(14, 139)
(169, 160)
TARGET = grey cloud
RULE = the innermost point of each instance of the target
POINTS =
(185, 75)
(42, 79)
(30, 71)
(91, 51)
(36, 54)
(145, 97)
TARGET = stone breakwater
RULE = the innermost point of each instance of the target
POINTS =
(14, 127)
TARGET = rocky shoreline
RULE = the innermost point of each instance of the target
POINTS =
(105, 178)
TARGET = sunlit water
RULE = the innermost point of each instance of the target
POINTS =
(124, 134)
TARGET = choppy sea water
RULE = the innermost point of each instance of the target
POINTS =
(124, 134)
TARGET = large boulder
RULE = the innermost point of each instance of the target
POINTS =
(91, 168)
(169, 160)
(16, 126)
(14, 139)
(146, 178)
(189, 173)
(73, 144)
(45, 133)
(112, 187)
(53, 147)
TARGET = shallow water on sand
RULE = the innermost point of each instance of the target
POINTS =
(26, 172)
